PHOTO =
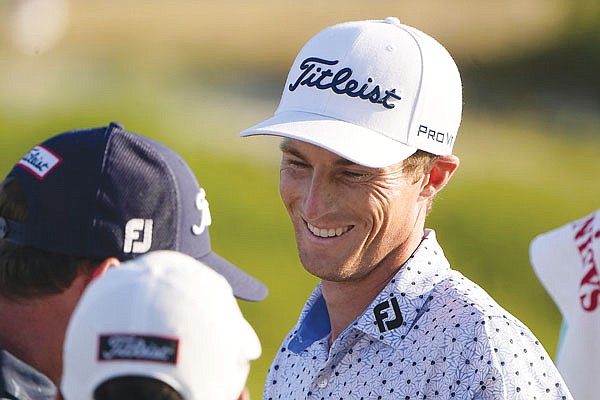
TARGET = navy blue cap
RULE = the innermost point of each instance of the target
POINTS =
(106, 192)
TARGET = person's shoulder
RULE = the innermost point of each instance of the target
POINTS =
(466, 306)
(18, 377)
(462, 298)
(457, 289)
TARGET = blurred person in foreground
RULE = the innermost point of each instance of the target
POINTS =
(71, 207)
(566, 261)
(369, 115)
(160, 327)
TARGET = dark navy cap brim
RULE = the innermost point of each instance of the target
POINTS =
(244, 286)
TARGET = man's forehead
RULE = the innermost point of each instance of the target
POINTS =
(302, 149)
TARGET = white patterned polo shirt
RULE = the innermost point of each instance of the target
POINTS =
(430, 334)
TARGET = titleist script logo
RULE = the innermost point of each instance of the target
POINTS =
(39, 161)
(205, 219)
(315, 73)
(138, 348)
(384, 323)
(586, 241)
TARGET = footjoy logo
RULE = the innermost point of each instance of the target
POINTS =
(586, 241)
(382, 317)
(137, 348)
(138, 235)
(39, 161)
(315, 73)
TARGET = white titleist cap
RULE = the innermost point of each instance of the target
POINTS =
(372, 92)
(165, 316)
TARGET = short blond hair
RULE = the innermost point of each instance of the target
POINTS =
(417, 165)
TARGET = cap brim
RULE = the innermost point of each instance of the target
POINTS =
(244, 286)
(353, 142)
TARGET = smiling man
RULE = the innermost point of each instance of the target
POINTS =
(369, 116)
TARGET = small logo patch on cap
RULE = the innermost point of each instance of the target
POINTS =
(39, 161)
(137, 348)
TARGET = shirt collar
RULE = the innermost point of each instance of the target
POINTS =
(313, 323)
(394, 312)
(398, 307)
(22, 381)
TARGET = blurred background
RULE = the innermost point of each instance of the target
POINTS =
(193, 73)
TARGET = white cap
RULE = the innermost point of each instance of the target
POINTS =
(372, 92)
(165, 316)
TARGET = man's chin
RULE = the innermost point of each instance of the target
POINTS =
(329, 272)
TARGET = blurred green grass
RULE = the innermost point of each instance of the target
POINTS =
(194, 75)
(505, 193)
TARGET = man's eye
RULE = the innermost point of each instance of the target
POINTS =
(356, 174)
(297, 163)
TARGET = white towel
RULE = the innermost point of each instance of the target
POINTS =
(567, 262)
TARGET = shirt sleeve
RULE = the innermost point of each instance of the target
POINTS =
(519, 366)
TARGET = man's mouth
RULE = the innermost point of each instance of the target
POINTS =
(328, 232)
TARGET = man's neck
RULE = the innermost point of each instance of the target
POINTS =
(33, 330)
(347, 300)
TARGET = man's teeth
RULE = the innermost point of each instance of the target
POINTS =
(327, 232)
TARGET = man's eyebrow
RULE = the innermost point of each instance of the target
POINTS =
(345, 162)
(286, 147)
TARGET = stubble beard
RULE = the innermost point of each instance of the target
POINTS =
(332, 271)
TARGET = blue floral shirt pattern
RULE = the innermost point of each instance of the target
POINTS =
(430, 334)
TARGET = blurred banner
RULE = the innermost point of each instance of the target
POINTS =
(566, 261)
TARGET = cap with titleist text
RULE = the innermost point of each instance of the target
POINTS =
(372, 92)
(165, 316)
(106, 192)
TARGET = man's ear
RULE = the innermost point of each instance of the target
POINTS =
(87, 276)
(103, 266)
(439, 175)
(245, 395)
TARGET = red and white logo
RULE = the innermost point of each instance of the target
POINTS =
(133, 347)
(586, 239)
(40, 161)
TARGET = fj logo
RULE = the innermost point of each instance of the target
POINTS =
(382, 316)
(205, 219)
(138, 235)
